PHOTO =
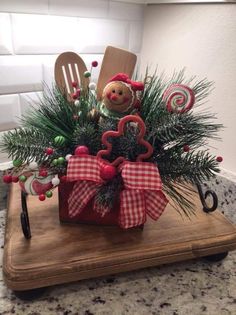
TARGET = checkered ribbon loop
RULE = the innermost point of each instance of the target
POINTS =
(85, 170)
(142, 195)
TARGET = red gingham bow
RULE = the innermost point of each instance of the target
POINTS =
(142, 195)
(86, 171)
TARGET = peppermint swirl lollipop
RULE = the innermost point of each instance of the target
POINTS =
(35, 184)
(179, 98)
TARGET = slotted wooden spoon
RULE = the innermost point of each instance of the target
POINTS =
(70, 67)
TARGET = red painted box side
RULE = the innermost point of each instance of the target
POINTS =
(88, 215)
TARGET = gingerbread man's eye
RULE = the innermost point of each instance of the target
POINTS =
(113, 91)
(120, 92)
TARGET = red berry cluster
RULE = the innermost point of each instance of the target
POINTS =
(7, 179)
(76, 94)
(48, 194)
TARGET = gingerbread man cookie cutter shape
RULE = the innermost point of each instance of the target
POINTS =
(120, 132)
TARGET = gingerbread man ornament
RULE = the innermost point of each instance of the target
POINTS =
(120, 96)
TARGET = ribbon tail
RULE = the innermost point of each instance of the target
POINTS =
(156, 202)
(83, 192)
(132, 209)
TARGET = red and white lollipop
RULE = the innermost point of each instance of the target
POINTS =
(36, 184)
(179, 98)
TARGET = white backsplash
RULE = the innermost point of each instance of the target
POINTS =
(34, 32)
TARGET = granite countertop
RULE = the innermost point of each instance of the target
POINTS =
(193, 287)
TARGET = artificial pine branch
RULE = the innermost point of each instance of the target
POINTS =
(191, 167)
(88, 135)
(180, 197)
(184, 128)
(54, 115)
(109, 194)
(25, 144)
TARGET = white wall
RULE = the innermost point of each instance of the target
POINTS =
(34, 32)
(201, 37)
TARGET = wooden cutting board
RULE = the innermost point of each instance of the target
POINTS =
(60, 253)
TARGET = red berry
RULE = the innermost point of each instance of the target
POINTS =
(82, 150)
(42, 197)
(107, 172)
(15, 179)
(43, 173)
(186, 148)
(74, 84)
(7, 179)
(94, 63)
(219, 159)
(49, 151)
(74, 96)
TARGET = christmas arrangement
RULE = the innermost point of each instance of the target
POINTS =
(121, 159)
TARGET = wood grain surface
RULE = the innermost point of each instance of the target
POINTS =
(60, 253)
(115, 60)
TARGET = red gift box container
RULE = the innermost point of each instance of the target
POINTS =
(141, 196)
(88, 215)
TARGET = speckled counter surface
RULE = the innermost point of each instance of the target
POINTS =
(193, 287)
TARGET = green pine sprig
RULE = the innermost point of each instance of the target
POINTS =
(25, 144)
(54, 115)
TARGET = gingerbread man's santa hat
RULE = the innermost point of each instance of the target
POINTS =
(123, 77)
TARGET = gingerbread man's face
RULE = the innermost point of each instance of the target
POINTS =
(118, 96)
